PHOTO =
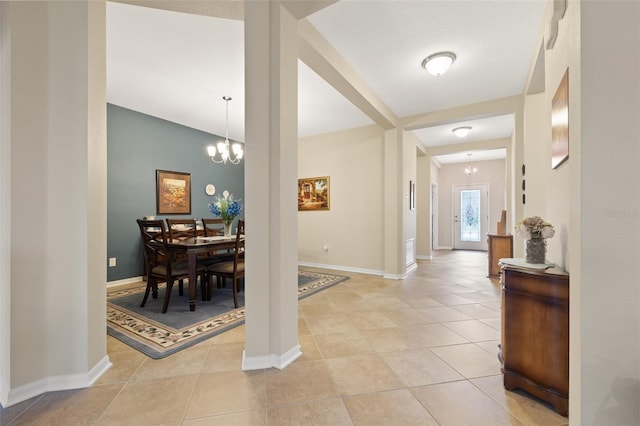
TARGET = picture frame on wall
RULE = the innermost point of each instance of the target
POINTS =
(314, 193)
(560, 123)
(173, 192)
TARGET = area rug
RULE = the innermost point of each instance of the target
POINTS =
(158, 335)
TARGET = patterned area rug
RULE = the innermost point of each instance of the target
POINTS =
(159, 335)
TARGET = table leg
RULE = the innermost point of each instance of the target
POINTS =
(193, 278)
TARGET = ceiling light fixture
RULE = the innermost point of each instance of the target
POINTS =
(462, 131)
(470, 170)
(223, 147)
(438, 63)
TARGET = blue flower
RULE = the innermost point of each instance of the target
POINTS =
(226, 208)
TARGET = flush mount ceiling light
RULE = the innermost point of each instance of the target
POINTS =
(438, 63)
(462, 131)
(223, 148)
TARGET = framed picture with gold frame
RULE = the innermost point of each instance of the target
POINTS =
(173, 192)
(314, 193)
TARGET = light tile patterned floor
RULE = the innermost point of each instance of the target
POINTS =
(375, 352)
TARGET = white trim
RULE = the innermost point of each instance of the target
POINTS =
(394, 276)
(4, 392)
(282, 361)
(444, 248)
(342, 268)
(125, 281)
(58, 383)
(410, 251)
(273, 360)
(423, 257)
(255, 363)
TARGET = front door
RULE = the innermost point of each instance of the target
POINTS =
(471, 217)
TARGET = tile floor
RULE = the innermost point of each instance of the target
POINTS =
(375, 352)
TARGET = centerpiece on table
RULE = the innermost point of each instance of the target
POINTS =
(535, 231)
(226, 208)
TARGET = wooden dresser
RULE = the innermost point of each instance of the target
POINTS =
(499, 246)
(535, 333)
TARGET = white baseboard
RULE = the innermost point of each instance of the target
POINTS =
(4, 392)
(57, 383)
(402, 276)
(269, 361)
(424, 257)
(341, 268)
(123, 282)
(444, 248)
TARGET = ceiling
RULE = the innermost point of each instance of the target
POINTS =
(178, 66)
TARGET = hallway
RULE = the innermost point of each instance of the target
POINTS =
(417, 351)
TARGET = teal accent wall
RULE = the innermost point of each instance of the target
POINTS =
(138, 145)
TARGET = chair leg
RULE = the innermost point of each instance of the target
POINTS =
(210, 286)
(154, 288)
(146, 292)
(167, 296)
(204, 286)
(181, 287)
(235, 292)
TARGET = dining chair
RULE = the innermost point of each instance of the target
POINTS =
(160, 262)
(212, 228)
(179, 229)
(232, 269)
(182, 228)
(215, 227)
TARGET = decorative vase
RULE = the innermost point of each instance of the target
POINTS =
(227, 228)
(536, 250)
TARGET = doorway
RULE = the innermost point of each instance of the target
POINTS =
(470, 216)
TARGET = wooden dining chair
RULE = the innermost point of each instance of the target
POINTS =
(180, 229)
(212, 228)
(232, 269)
(215, 227)
(160, 262)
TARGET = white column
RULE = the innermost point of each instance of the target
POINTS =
(604, 244)
(271, 294)
(394, 204)
(56, 213)
(424, 221)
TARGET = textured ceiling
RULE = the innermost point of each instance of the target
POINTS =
(177, 66)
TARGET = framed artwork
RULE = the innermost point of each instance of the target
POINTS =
(560, 123)
(173, 192)
(313, 193)
(412, 195)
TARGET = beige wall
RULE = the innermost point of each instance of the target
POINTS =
(353, 228)
(489, 172)
(548, 190)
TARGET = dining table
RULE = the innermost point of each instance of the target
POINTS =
(192, 246)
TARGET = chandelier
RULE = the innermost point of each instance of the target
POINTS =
(470, 170)
(224, 148)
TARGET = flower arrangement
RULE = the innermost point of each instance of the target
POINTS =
(226, 207)
(534, 227)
